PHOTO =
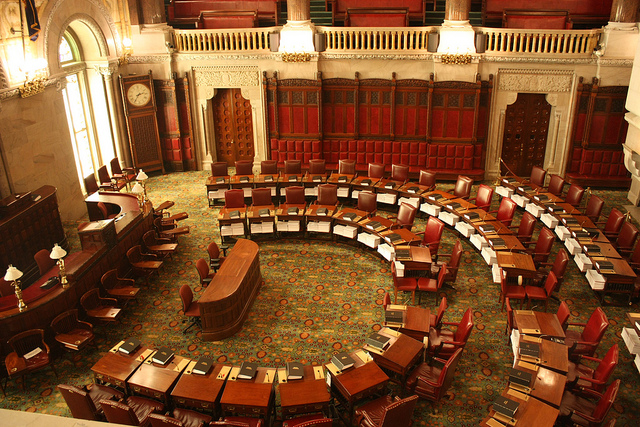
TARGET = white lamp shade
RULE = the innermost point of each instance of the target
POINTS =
(137, 189)
(141, 176)
(12, 274)
(57, 252)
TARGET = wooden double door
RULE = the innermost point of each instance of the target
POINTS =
(233, 126)
(524, 143)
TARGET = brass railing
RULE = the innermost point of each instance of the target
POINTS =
(540, 42)
(223, 41)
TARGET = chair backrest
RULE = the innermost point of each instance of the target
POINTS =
(269, 166)
(110, 278)
(399, 413)
(347, 166)
(464, 327)
(399, 173)
(91, 299)
(79, 402)
(463, 186)
(6, 288)
(454, 262)
(328, 194)
(406, 215)
(596, 326)
(594, 208)
(543, 245)
(556, 185)
(219, 169)
(134, 254)
(440, 314)
(115, 166)
(427, 178)
(448, 372)
(103, 210)
(234, 199)
(484, 196)
(442, 275)
(203, 269)
(560, 264)
(244, 167)
(149, 238)
(606, 402)
(538, 176)
(432, 234)
(614, 222)
(44, 261)
(550, 284)
(103, 175)
(261, 196)
(634, 258)
(386, 300)
(367, 201)
(574, 195)
(376, 170)
(186, 295)
(26, 341)
(159, 420)
(317, 167)
(526, 227)
(65, 322)
(90, 184)
(294, 195)
(293, 167)
(563, 314)
(213, 250)
(608, 364)
(119, 413)
(507, 303)
(506, 210)
(628, 235)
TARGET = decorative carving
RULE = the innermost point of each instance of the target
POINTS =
(535, 81)
(375, 82)
(338, 82)
(298, 82)
(227, 76)
(105, 71)
(149, 59)
(412, 83)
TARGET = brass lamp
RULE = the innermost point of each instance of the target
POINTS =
(142, 178)
(58, 253)
(12, 275)
(139, 192)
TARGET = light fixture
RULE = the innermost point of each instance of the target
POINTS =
(139, 192)
(35, 72)
(12, 275)
(142, 178)
(127, 50)
(58, 253)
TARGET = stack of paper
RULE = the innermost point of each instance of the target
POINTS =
(313, 191)
(354, 194)
(489, 255)
(562, 232)
(448, 218)
(595, 279)
(247, 191)
(549, 220)
(583, 262)
(399, 268)
(430, 209)
(504, 191)
(387, 198)
(345, 230)
(534, 209)
(496, 273)
(520, 200)
(478, 241)
(261, 227)
(319, 226)
(573, 246)
(235, 229)
(465, 229)
(216, 194)
(342, 191)
(288, 226)
(631, 339)
(387, 251)
(413, 201)
(637, 362)
(369, 239)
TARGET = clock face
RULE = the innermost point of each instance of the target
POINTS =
(139, 95)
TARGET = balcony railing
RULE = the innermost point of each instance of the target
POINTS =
(223, 41)
(540, 42)
(376, 39)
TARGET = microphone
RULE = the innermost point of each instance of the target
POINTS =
(514, 246)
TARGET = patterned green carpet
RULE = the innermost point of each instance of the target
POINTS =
(320, 297)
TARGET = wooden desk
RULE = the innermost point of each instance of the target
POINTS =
(511, 243)
(553, 355)
(499, 227)
(537, 323)
(115, 367)
(305, 395)
(312, 211)
(123, 203)
(225, 303)
(335, 178)
(531, 412)
(408, 237)
(516, 264)
(411, 189)
(606, 250)
(154, 380)
(385, 223)
(416, 321)
(249, 397)
(432, 196)
(546, 385)
(254, 217)
(400, 356)
(201, 392)
(420, 260)
(633, 318)
(339, 216)
(216, 186)
(225, 220)
(358, 185)
(284, 218)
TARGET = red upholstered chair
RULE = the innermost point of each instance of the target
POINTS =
(405, 284)
(426, 284)
(574, 195)
(559, 267)
(585, 342)
(317, 167)
(505, 211)
(542, 249)
(463, 187)
(432, 380)
(432, 235)
(234, 199)
(292, 167)
(627, 238)
(134, 412)
(215, 260)
(123, 174)
(587, 378)
(180, 418)
(427, 178)
(315, 420)
(406, 216)
(244, 167)
(367, 202)
(347, 167)
(294, 195)
(587, 407)
(104, 211)
(102, 309)
(190, 307)
(435, 320)
(443, 342)
(453, 264)
(556, 185)
(90, 184)
(376, 170)
(634, 262)
(261, 197)
(269, 167)
(24, 343)
(386, 412)
(105, 180)
(510, 291)
(399, 173)
(538, 176)
(219, 169)
(238, 422)
(122, 289)
(386, 300)
(613, 224)
(203, 271)
(327, 195)
(6, 288)
(526, 228)
(44, 261)
(510, 323)
(84, 403)
(544, 293)
(594, 208)
(483, 197)
(563, 314)
(71, 333)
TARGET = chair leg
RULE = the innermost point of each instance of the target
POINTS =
(395, 296)
(54, 369)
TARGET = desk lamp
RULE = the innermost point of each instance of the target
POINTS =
(12, 275)
(139, 192)
(142, 178)
(58, 253)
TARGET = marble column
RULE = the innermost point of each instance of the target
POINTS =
(457, 10)
(623, 11)
(298, 10)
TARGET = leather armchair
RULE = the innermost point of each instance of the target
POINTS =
(483, 197)
(587, 408)
(234, 199)
(544, 293)
(105, 180)
(376, 170)
(386, 412)
(84, 403)
(574, 195)
(585, 377)
(44, 261)
(399, 173)
(190, 307)
(103, 309)
(585, 342)
(203, 272)
(453, 265)
(426, 284)
(122, 289)
(538, 176)
(244, 167)
(563, 314)
(406, 216)
(443, 343)
(559, 267)
(269, 167)
(432, 380)
(427, 178)
(215, 260)
(613, 224)
(510, 291)
(542, 249)
(294, 195)
(407, 284)
(134, 412)
(463, 187)
(594, 208)
(124, 174)
(293, 167)
(627, 238)
(180, 418)
(556, 185)
(505, 211)
(346, 167)
(90, 184)
(435, 320)
(23, 343)
(261, 197)
(72, 333)
(526, 228)
(317, 167)
(219, 169)
(327, 195)
(367, 202)
(432, 235)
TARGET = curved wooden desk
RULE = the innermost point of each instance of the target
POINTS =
(226, 302)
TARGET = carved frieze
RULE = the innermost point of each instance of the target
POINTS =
(227, 76)
(535, 81)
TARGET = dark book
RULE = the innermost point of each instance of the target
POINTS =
(220, 180)
(520, 377)
(555, 208)
(50, 283)
(591, 249)
(234, 214)
(244, 179)
(471, 216)
(316, 178)
(510, 180)
(292, 211)
(349, 216)
(605, 266)
(570, 221)
(436, 197)
(580, 234)
(263, 212)
(454, 206)
(129, 346)
(403, 255)
(365, 182)
(394, 237)
(322, 211)
(293, 178)
(162, 356)
(498, 243)
(526, 189)
(268, 178)
(593, 232)
(531, 349)
(342, 361)
(487, 228)
(394, 316)
(413, 189)
(203, 365)
(506, 407)
(342, 179)
(295, 371)
(390, 185)
(247, 370)
(541, 197)
(378, 341)
(373, 225)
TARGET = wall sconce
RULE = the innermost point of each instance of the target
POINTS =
(142, 178)
(12, 275)
(127, 50)
(139, 192)
(296, 57)
(58, 253)
(35, 77)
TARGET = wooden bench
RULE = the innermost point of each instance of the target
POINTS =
(339, 8)
(212, 19)
(377, 17)
(536, 19)
(186, 13)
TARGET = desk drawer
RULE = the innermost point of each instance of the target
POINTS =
(154, 394)
(193, 403)
(305, 409)
(245, 410)
(106, 379)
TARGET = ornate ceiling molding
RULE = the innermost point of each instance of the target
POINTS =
(536, 81)
(227, 76)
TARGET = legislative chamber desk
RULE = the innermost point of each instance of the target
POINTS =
(154, 380)
(304, 395)
(225, 303)
(201, 392)
(254, 397)
(84, 268)
(116, 367)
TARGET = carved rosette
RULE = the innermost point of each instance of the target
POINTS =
(535, 81)
(227, 77)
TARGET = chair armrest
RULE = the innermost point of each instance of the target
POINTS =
(207, 280)
(451, 323)
(126, 279)
(426, 381)
(113, 301)
(576, 324)
(444, 255)
(595, 359)
(368, 418)
(592, 381)
(85, 325)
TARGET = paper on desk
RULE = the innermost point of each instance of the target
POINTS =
(189, 369)
(529, 338)
(282, 375)
(517, 394)
(333, 369)
(530, 331)
(222, 375)
(269, 376)
(373, 349)
(146, 354)
(491, 422)
(318, 372)
(394, 307)
(364, 356)
(391, 332)
(149, 361)
(116, 347)
(181, 365)
(234, 373)
(527, 365)
(523, 311)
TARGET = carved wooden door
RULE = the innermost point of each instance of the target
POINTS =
(525, 134)
(233, 125)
